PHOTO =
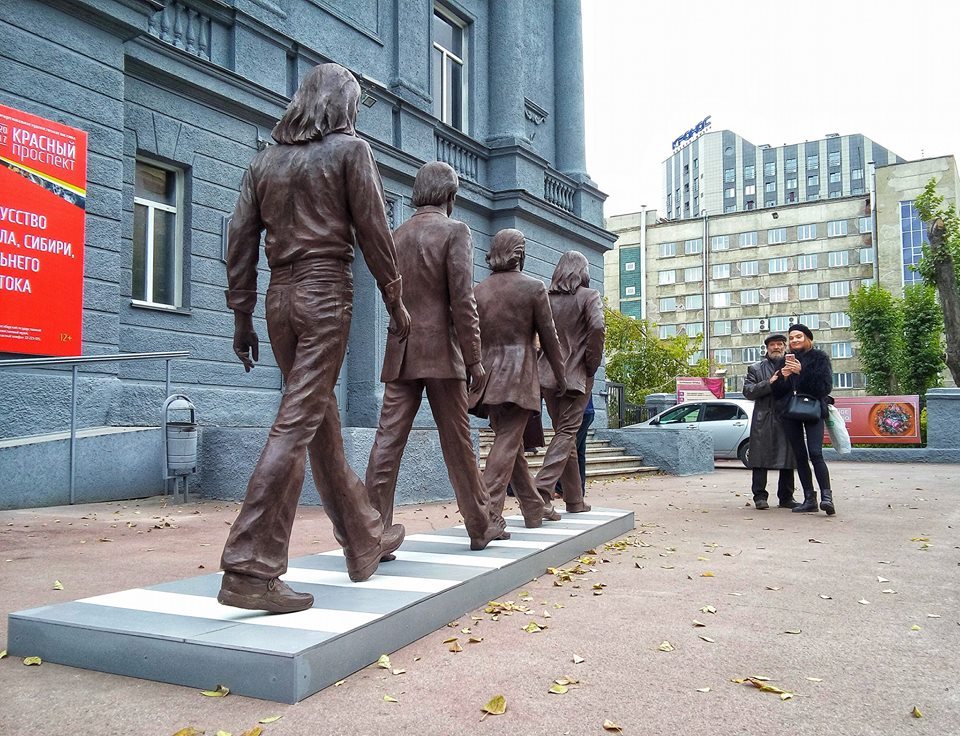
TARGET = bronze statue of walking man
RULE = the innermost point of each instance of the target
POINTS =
(441, 354)
(313, 193)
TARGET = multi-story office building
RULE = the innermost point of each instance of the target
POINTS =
(176, 98)
(736, 277)
(720, 172)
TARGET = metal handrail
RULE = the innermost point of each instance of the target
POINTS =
(75, 362)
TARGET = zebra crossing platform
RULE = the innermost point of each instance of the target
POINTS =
(178, 633)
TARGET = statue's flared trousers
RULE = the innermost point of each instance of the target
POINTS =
(506, 463)
(448, 402)
(560, 461)
(309, 307)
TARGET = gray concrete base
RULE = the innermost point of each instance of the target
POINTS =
(112, 463)
(178, 633)
(676, 451)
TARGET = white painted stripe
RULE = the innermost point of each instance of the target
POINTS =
(377, 582)
(546, 529)
(463, 541)
(181, 604)
(473, 560)
(564, 519)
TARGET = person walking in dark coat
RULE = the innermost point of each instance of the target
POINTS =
(807, 370)
(769, 448)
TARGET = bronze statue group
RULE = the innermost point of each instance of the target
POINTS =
(493, 350)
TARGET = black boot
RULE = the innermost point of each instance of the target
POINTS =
(809, 502)
(826, 501)
(787, 501)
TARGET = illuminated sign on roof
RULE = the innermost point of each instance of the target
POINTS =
(695, 132)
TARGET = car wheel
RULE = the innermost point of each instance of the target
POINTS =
(743, 453)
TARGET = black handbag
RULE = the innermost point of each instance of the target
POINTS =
(803, 408)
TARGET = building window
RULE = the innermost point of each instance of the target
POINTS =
(836, 228)
(750, 296)
(748, 240)
(833, 159)
(157, 236)
(729, 192)
(779, 294)
(776, 236)
(694, 273)
(693, 301)
(839, 288)
(778, 265)
(864, 225)
(751, 355)
(667, 331)
(729, 176)
(770, 203)
(913, 236)
(693, 329)
(791, 183)
(668, 304)
(834, 177)
(807, 262)
(749, 190)
(838, 258)
(720, 242)
(668, 249)
(843, 380)
(770, 168)
(856, 174)
(806, 232)
(631, 266)
(779, 324)
(856, 190)
(692, 247)
(630, 291)
(813, 162)
(866, 255)
(721, 299)
(667, 277)
(723, 327)
(810, 320)
(790, 166)
(809, 291)
(839, 320)
(449, 68)
(721, 271)
(729, 208)
(841, 350)
(749, 172)
(750, 268)
(770, 186)
(723, 356)
(813, 180)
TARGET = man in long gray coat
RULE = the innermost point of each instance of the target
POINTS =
(768, 444)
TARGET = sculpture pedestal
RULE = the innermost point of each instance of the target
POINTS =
(178, 633)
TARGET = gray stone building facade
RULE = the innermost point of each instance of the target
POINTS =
(176, 98)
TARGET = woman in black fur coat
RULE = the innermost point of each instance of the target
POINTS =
(807, 370)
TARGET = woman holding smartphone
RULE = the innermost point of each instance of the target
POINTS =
(806, 370)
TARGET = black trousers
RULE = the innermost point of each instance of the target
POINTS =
(784, 484)
(807, 452)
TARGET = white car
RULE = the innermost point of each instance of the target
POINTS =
(727, 421)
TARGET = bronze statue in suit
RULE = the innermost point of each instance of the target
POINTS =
(435, 255)
(312, 193)
(514, 312)
(578, 316)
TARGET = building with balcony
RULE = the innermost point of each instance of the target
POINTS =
(177, 96)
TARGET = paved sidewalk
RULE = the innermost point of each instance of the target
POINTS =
(874, 593)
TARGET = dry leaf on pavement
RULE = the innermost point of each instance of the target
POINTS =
(270, 719)
(390, 699)
(384, 661)
(609, 725)
(665, 646)
(916, 712)
(496, 707)
(221, 691)
(32, 660)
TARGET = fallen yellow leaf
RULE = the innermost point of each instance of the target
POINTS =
(32, 660)
(792, 631)
(706, 574)
(577, 659)
(3, 654)
(609, 725)
(919, 539)
(188, 731)
(697, 624)
(399, 671)
(338, 683)
(496, 707)
(270, 719)
(475, 639)
(665, 646)
(532, 628)
(916, 712)
(57, 585)
(384, 662)
(450, 640)
(764, 686)
(708, 639)
(703, 689)
(390, 699)
(558, 689)
(255, 731)
(815, 679)
(222, 691)
(455, 647)
(224, 733)
(708, 609)
(914, 628)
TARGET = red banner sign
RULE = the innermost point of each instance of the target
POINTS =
(692, 388)
(43, 195)
(880, 420)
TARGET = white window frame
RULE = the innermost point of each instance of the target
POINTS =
(808, 292)
(776, 236)
(722, 299)
(667, 304)
(693, 273)
(778, 265)
(723, 327)
(667, 250)
(630, 266)
(750, 355)
(749, 268)
(693, 246)
(839, 289)
(778, 294)
(843, 380)
(749, 297)
(748, 239)
(665, 278)
(152, 207)
(807, 232)
(841, 350)
(449, 56)
(867, 255)
(720, 242)
(720, 271)
(723, 356)
(837, 258)
(630, 291)
(807, 262)
(693, 301)
(839, 320)
(836, 228)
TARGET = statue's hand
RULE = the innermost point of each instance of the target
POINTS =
(399, 320)
(245, 340)
(561, 386)
(475, 375)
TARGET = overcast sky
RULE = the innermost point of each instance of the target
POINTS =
(773, 71)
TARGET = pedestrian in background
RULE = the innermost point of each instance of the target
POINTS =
(769, 449)
(807, 370)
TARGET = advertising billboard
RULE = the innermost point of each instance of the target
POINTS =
(880, 420)
(43, 191)
(692, 388)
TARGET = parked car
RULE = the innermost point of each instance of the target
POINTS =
(727, 421)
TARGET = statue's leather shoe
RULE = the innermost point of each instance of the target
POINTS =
(550, 514)
(493, 531)
(362, 568)
(257, 594)
(578, 508)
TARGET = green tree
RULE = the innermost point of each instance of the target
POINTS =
(940, 266)
(644, 363)
(875, 319)
(921, 350)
